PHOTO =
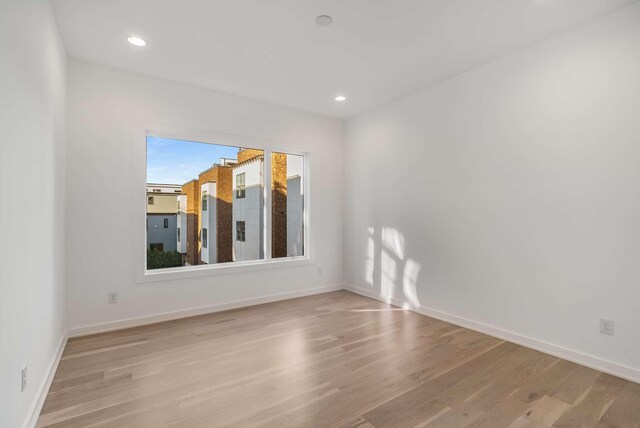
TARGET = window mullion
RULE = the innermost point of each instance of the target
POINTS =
(267, 205)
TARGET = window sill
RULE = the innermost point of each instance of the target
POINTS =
(183, 272)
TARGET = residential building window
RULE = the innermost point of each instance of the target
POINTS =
(156, 247)
(240, 231)
(166, 223)
(150, 200)
(240, 186)
(204, 238)
(204, 201)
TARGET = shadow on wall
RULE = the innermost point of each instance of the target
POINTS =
(388, 268)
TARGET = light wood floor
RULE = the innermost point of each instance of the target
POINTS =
(332, 360)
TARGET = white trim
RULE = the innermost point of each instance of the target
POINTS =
(43, 390)
(203, 310)
(267, 213)
(577, 357)
(139, 250)
(215, 137)
(221, 269)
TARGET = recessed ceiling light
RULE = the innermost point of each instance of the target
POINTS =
(340, 98)
(324, 20)
(136, 41)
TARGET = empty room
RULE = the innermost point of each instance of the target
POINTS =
(320, 213)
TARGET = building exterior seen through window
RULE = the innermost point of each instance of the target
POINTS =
(211, 202)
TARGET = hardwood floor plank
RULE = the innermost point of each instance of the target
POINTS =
(546, 381)
(574, 386)
(416, 405)
(502, 415)
(461, 415)
(542, 415)
(625, 410)
(594, 403)
(59, 385)
(478, 398)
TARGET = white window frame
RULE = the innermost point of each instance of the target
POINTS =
(143, 275)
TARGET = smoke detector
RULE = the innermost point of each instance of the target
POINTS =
(324, 20)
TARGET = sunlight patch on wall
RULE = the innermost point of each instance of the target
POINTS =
(389, 274)
(370, 265)
(393, 241)
(409, 282)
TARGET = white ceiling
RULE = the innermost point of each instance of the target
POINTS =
(375, 51)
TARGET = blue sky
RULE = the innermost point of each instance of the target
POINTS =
(172, 161)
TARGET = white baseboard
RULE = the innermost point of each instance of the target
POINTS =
(203, 310)
(577, 357)
(43, 389)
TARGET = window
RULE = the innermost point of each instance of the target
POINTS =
(240, 228)
(156, 247)
(240, 183)
(222, 192)
(287, 205)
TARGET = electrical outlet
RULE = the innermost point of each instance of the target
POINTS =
(319, 271)
(113, 298)
(24, 379)
(606, 327)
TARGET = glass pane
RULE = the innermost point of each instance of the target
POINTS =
(287, 205)
(194, 187)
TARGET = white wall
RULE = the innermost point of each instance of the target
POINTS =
(510, 195)
(32, 145)
(108, 113)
